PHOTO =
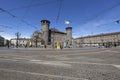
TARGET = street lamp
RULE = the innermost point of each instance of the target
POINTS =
(17, 35)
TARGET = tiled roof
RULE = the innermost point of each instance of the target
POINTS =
(56, 31)
(105, 34)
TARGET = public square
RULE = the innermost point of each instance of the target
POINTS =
(67, 64)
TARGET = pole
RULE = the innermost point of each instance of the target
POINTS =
(17, 35)
(53, 39)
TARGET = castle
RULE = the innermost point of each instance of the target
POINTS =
(52, 36)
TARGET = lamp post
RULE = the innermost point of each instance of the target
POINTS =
(17, 35)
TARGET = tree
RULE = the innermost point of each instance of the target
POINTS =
(37, 38)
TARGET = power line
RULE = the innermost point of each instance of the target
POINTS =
(29, 6)
(59, 11)
(33, 5)
(102, 12)
(7, 12)
(17, 18)
(26, 12)
(115, 21)
(4, 26)
(24, 16)
(109, 28)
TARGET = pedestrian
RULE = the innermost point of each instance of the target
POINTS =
(8, 44)
(25, 45)
(61, 47)
(45, 46)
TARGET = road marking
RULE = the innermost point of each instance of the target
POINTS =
(67, 63)
(117, 66)
(9, 59)
(54, 63)
(47, 75)
(44, 61)
(63, 63)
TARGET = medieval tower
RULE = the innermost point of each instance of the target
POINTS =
(45, 31)
(69, 35)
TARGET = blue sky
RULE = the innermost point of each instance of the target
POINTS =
(87, 17)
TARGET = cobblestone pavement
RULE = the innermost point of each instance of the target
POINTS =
(66, 64)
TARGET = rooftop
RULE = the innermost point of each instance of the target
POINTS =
(56, 31)
(103, 34)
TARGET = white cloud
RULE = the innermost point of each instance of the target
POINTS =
(7, 36)
(92, 28)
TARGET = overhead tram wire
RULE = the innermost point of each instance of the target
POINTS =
(102, 12)
(7, 32)
(115, 21)
(59, 11)
(2, 10)
(20, 22)
(27, 9)
(17, 18)
(6, 11)
(4, 26)
(34, 5)
(23, 17)
(39, 4)
(104, 24)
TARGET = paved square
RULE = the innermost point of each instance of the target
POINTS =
(66, 64)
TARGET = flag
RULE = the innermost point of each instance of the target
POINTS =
(67, 22)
